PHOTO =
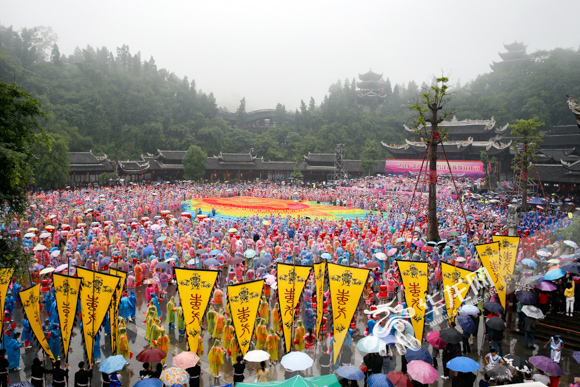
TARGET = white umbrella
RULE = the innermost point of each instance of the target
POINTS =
(39, 247)
(572, 244)
(29, 235)
(46, 270)
(532, 311)
(44, 235)
(257, 355)
(381, 256)
(297, 361)
(470, 310)
(543, 253)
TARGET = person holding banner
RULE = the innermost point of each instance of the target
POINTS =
(37, 372)
(82, 377)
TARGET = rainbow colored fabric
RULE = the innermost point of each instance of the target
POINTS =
(244, 206)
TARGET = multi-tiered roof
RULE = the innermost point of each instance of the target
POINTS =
(465, 140)
(516, 51)
(371, 89)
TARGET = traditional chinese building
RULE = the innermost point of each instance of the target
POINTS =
(371, 90)
(516, 51)
(163, 165)
(86, 168)
(466, 139)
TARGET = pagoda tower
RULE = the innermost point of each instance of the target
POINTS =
(516, 51)
(371, 90)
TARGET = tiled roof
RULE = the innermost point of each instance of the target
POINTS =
(236, 157)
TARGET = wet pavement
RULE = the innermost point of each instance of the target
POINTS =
(513, 343)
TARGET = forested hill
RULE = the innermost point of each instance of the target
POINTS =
(118, 103)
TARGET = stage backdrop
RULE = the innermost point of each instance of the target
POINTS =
(473, 169)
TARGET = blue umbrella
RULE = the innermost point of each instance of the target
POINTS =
(379, 380)
(571, 268)
(112, 364)
(215, 252)
(249, 253)
(326, 256)
(148, 250)
(263, 261)
(161, 238)
(466, 323)
(389, 339)
(162, 265)
(350, 373)
(149, 382)
(463, 364)
(420, 354)
(211, 262)
(529, 262)
(494, 307)
(527, 298)
(399, 240)
(469, 217)
(554, 274)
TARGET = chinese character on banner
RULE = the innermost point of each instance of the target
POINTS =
(416, 281)
(244, 300)
(291, 282)
(508, 247)
(456, 284)
(319, 270)
(346, 287)
(195, 288)
(490, 257)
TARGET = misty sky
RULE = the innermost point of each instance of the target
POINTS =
(284, 51)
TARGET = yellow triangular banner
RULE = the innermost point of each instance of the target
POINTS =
(456, 284)
(291, 281)
(319, 271)
(415, 277)
(195, 287)
(508, 252)
(346, 287)
(31, 302)
(114, 308)
(5, 278)
(96, 295)
(66, 291)
(490, 259)
(244, 300)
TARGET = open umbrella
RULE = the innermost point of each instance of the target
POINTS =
(529, 262)
(498, 371)
(554, 274)
(326, 256)
(149, 382)
(546, 286)
(39, 248)
(47, 270)
(451, 336)
(185, 360)
(470, 310)
(576, 356)
(350, 373)
(419, 354)
(571, 267)
(496, 323)
(543, 253)
(174, 375)
(372, 264)
(570, 243)
(532, 311)
(297, 361)
(151, 355)
(112, 364)
(436, 341)
(466, 323)
(392, 252)
(381, 256)
(370, 344)
(547, 365)
(463, 364)
(494, 307)
(61, 268)
(257, 355)
(162, 265)
(399, 379)
(527, 298)
(518, 363)
(379, 380)
(249, 253)
(422, 372)
(211, 262)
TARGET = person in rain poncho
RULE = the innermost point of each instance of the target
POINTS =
(171, 313)
(261, 335)
(556, 347)
(299, 336)
(54, 340)
(150, 319)
(162, 342)
(180, 321)
(264, 310)
(13, 352)
(273, 340)
(125, 307)
(155, 301)
(220, 324)
(155, 331)
(216, 359)
(276, 318)
(211, 320)
(123, 347)
(133, 300)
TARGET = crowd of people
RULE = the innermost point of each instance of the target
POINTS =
(148, 230)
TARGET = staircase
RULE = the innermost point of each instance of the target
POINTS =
(558, 324)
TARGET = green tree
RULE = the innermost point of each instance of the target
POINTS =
(484, 157)
(296, 173)
(241, 114)
(370, 154)
(52, 167)
(194, 163)
(19, 138)
(525, 143)
(431, 115)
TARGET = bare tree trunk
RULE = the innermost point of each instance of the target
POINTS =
(433, 232)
